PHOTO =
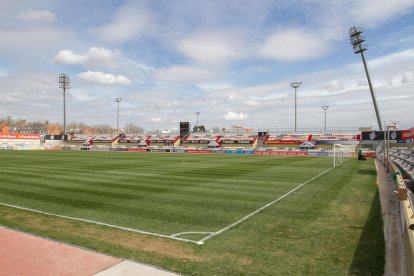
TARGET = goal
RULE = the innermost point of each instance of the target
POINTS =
(342, 153)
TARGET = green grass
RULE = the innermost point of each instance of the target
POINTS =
(324, 228)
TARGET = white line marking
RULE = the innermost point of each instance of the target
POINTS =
(261, 208)
(100, 223)
(185, 233)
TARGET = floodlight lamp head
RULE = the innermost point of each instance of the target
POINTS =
(295, 84)
(197, 113)
(64, 81)
(355, 30)
(325, 107)
(357, 40)
(64, 85)
(118, 100)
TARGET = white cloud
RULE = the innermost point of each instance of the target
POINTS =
(233, 116)
(234, 96)
(94, 56)
(81, 96)
(129, 22)
(397, 57)
(184, 74)
(252, 103)
(294, 45)
(37, 15)
(45, 37)
(372, 12)
(68, 57)
(211, 86)
(407, 77)
(212, 48)
(141, 66)
(105, 79)
(403, 78)
(156, 119)
(333, 86)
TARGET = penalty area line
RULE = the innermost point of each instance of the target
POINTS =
(263, 207)
(173, 237)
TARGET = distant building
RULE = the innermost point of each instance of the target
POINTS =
(29, 130)
(365, 129)
(240, 129)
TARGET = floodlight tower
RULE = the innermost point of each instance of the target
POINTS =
(295, 85)
(117, 100)
(64, 83)
(325, 107)
(356, 38)
(197, 113)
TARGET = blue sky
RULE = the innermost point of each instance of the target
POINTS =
(230, 60)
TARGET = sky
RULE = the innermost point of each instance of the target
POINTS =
(232, 61)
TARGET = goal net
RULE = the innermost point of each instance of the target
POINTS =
(342, 153)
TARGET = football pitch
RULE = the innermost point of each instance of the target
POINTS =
(186, 198)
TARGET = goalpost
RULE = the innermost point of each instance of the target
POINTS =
(342, 153)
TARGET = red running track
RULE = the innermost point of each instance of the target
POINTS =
(22, 254)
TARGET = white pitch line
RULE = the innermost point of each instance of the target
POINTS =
(100, 223)
(185, 233)
(261, 208)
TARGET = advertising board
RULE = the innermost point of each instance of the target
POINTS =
(197, 151)
(284, 142)
(137, 149)
(20, 136)
(283, 153)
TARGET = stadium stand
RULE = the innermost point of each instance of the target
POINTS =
(133, 141)
(404, 158)
(162, 140)
(80, 138)
(294, 140)
(404, 192)
(79, 141)
(277, 141)
(196, 140)
(104, 140)
(329, 137)
(238, 140)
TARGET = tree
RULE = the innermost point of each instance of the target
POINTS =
(104, 129)
(19, 124)
(216, 129)
(37, 126)
(200, 129)
(133, 129)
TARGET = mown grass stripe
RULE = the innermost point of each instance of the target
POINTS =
(157, 192)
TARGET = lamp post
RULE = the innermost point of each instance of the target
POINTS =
(64, 83)
(295, 85)
(197, 113)
(117, 116)
(325, 107)
(356, 38)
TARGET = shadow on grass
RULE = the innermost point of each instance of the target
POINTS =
(369, 256)
(367, 172)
